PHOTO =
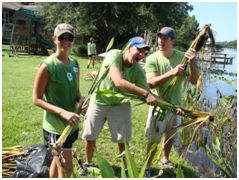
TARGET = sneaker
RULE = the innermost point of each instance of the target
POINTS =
(147, 173)
(168, 164)
(83, 170)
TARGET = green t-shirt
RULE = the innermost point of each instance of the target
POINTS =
(157, 63)
(91, 48)
(134, 74)
(61, 91)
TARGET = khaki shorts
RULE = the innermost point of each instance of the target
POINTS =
(118, 118)
(156, 128)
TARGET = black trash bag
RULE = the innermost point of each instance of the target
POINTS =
(35, 164)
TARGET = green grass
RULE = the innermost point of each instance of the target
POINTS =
(22, 121)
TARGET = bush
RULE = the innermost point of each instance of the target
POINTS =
(80, 49)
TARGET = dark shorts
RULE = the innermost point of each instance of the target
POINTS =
(51, 138)
(91, 55)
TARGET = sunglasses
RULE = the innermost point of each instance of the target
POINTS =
(64, 37)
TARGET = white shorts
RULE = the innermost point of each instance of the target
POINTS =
(118, 118)
(155, 128)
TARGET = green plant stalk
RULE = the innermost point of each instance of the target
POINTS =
(105, 168)
(63, 136)
(142, 171)
(219, 165)
(161, 103)
(159, 151)
(123, 174)
(199, 120)
(223, 160)
(179, 173)
(109, 46)
(132, 169)
(194, 133)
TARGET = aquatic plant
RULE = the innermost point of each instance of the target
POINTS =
(218, 138)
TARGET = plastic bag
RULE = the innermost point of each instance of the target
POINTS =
(35, 164)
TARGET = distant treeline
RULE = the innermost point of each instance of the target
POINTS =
(122, 20)
(227, 44)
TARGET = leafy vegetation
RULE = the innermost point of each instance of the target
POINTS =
(218, 138)
(123, 20)
(80, 50)
(228, 44)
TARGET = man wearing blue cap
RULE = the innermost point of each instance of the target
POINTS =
(160, 68)
(124, 75)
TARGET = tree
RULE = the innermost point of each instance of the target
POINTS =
(121, 20)
(187, 33)
(227, 44)
(58, 12)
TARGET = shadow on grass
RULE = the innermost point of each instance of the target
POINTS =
(167, 173)
(156, 172)
(187, 172)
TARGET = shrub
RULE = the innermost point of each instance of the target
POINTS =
(80, 49)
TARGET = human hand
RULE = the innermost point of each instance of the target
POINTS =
(179, 111)
(178, 70)
(71, 117)
(151, 99)
(190, 54)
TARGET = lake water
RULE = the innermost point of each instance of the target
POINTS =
(211, 84)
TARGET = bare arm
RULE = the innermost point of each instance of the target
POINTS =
(191, 54)
(155, 80)
(39, 88)
(78, 94)
(129, 87)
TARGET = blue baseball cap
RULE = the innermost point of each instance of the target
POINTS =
(139, 42)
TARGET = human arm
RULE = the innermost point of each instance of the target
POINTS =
(191, 54)
(78, 93)
(156, 80)
(39, 88)
(124, 85)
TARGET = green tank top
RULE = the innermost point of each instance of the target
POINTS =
(61, 91)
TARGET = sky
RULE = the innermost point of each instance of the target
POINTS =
(221, 15)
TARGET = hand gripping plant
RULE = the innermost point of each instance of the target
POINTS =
(197, 44)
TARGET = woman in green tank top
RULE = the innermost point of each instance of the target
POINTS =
(56, 91)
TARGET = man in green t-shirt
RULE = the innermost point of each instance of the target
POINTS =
(91, 50)
(160, 68)
(124, 75)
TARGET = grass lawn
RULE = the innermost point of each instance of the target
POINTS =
(22, 121)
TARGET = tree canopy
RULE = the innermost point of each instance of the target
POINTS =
(121, 20)
(228, 44)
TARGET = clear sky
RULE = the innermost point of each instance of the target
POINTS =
(221, 15)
